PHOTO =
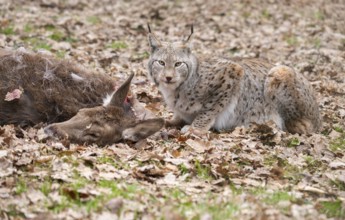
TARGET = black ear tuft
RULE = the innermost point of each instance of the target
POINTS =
(191, 32)
(149, 28)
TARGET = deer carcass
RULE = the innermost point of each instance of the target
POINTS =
(82, 105)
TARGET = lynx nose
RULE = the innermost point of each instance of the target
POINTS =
(168, 78)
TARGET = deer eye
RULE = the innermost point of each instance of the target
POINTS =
(177, 64)
(161, 62)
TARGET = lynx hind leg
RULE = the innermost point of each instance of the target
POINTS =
(293, 98)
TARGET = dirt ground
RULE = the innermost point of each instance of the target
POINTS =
(249, 173)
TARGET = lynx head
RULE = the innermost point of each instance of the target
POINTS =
(170, 64)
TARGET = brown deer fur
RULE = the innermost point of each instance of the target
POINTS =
(56, 90)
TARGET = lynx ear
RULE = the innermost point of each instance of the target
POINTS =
(153, 41)
(186, 44)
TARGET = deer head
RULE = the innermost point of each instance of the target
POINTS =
(107, 124)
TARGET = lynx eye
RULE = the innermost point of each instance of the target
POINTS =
(177, 64)
(161, 62)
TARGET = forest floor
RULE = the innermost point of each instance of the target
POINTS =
(258, 172)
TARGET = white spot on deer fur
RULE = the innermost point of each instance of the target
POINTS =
(107, 99)
(76, 77)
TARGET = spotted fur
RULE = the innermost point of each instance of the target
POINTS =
(221, 93)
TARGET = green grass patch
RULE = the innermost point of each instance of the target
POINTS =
(265, 14)
(202, 171)
(37, 43)
(291, 40)
(7, 30)
(93, 20)
(275, 197)
(57, 36)
(21, 186)
(61, 54)
(333, 209)
(111, 161)
(293, 142)
(246, 14)
(338, 184)
(338, 144)
(312, 164)
(49, 27)
(46, 187)
(128, 191)
(317, 43)
(189, 209)
(183, 169)
(140, 56)
(291, 172)
(13, 212)
(318, 15)
(117, 45)
(28, 28)
(338, 129)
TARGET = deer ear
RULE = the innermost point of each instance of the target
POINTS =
(143, 129)
(120, 95)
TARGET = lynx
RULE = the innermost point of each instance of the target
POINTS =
(221, 94)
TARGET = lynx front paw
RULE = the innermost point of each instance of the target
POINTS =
(190, 130)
